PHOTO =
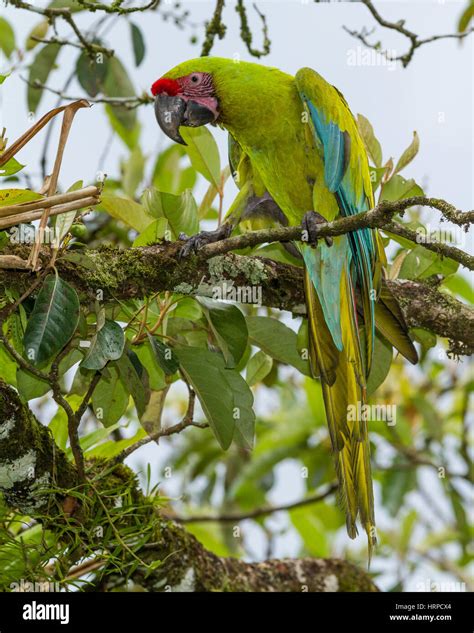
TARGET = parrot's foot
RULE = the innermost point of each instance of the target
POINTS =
(310, 224)
(195, 242)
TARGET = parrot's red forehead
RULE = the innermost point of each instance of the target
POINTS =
(170, 86)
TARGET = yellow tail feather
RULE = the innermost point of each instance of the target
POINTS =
(343, 386)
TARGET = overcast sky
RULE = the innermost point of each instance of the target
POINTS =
(433, 95)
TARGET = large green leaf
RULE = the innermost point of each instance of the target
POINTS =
(223, 397)
(118, 84)
(398, 188)
(53, 320)
(259, 366)
(11, 167)
(110, 398)
(180, 211)
(244, 415)
(229, 327)
(42, 65)
(164, 355)
(381, 363)
(203, 152)
(168, 175)
(17, 196)
(409, 154)
(371, 143)
(126, 210)
(421, 263)
(153, 233)
(91, 74)
(133, 172)
(7, 38)
(277, 340)
(107, 344)
(132, 381)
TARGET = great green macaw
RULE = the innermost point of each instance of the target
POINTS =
(296, 153)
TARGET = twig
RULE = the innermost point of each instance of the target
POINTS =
(130, 103)
(215, 27)
(52, 201)
(246, 33)
(258, 512)
(399, 27)
(378, 217)
(29, 216)
(172, 430)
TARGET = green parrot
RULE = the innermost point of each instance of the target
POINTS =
(297, 157)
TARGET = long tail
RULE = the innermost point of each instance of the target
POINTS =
(343, 383)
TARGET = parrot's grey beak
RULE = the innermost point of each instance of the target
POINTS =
(172, 112)
(169, 112)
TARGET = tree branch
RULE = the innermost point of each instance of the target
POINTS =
(32, 467)
(140, 272)
(399, 27)
(236, 517)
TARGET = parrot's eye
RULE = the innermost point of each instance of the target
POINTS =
(196, 79)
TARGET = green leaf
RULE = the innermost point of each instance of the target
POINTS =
(409, 154)
(397, 188)
(7, 366)
(371, 143)
(206, 372)
(147, 358)
(7, 38)
(244, 415)
(168, 175)
(40, 30)
(376, 175)
(203, 152)
(229, 328)
(381, 363)
(110, 398)
(107, 344)
(466, 16)
(42, 65)
(259, 366)
(11, 167)
(59, 428)
(117, 84)
(277, 340)
(17, 196)
(91, 74)
(164, 355)
(180, 211)
(133, 172)
(460, 286)
(30, 386)
(153, 233)
(3, 77)
(138, 44)
(126, 210)
(396, 484)
(129, 135)
(132, 381)
(421, 263)
(63, 222)
(53, 320)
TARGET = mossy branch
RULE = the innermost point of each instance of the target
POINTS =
(33, 468)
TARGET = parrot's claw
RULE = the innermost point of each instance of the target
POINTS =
(196, 242)
(310, 225)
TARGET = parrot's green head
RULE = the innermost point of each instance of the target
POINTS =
(187, 96)
(240, 96)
